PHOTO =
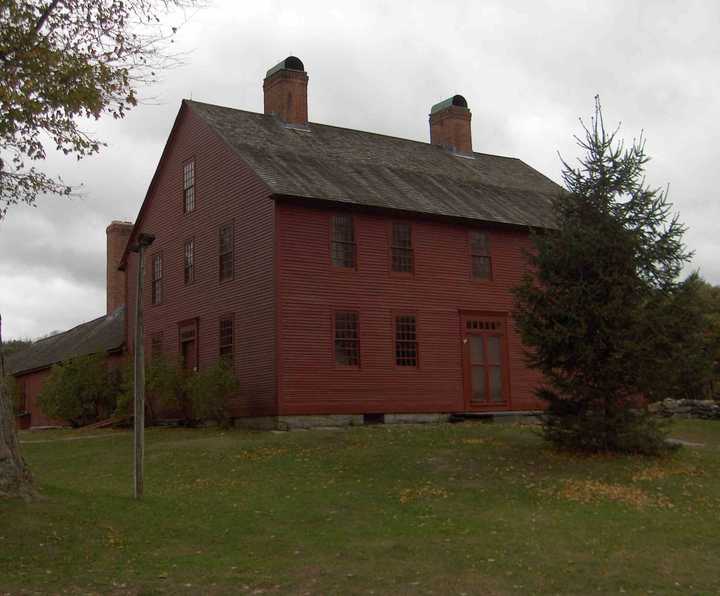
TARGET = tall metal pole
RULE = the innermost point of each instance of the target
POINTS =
(144, 240)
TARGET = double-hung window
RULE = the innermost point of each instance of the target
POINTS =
(189, 261)
(157, 279)
(226, 252)
(406, 345)
(403, 259)
(347, 340)
(227, 339)
(480, 255)
(189, 186)
(344, 248)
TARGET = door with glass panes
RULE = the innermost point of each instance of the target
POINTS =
(485, 371)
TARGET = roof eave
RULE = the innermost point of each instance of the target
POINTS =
(321, 201)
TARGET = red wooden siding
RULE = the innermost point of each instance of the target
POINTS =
(438, 292)
(33, 382)
(225, 191)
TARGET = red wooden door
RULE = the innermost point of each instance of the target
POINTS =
(485, 367)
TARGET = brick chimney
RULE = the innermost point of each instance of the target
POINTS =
(118, 233)
(285, 88)
(450, 125)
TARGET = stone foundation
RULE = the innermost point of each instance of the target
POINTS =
(416, 418)
(333, 421)
(687, 408)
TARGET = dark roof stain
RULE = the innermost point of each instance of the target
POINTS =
(361, 168)
(104, 334)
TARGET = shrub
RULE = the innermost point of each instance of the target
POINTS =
(164, 386)
(81, 391)
(209, 391)
(165, 382)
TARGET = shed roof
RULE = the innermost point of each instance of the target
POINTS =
(361, 168)
(104, 334)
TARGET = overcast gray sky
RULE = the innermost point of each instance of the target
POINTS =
(528, 70)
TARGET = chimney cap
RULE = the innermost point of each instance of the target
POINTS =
(455, 100)
(290, 63)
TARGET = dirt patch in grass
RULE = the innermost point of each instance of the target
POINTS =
(661, 471)
(594, 491)
(422, 493)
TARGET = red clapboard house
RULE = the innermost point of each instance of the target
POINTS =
(342, 272)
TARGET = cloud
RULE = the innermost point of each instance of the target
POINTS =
(528, 69)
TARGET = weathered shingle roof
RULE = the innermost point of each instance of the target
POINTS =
(104, 334)
(350, 166)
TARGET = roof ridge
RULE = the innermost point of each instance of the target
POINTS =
(37, 341)
(367, 132)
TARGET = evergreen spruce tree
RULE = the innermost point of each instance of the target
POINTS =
(593, 309)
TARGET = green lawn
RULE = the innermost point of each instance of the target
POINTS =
(444, 509)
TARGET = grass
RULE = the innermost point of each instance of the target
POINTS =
(446, 509)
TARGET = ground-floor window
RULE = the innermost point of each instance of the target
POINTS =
(227, 338)
(347, 339)
(406, 345)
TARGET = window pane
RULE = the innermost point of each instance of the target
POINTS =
(479, 243)
(189, 194)
(343, 254)
(226, 253)
(157, 273)
(496, 393)
(343, 229)
(189, 186)
(478, 383)
(226, 239)
(347, 349)
(226, 266)
(477, 352)
(343, 241)
(493, 349)
(481, 267)
(402, 260)
(189, 174)
(402, 235)
(227, 338)
(189, 261)
(402, 253)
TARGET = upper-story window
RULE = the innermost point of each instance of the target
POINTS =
(403, 259)
(226, 252)
(480, 255)
(189, 186)
(189, 261)
(157, 279)
(344, 249)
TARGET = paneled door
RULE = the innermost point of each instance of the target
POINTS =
(486, 379)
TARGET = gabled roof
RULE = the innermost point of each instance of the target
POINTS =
(350, 166)
(104, 334)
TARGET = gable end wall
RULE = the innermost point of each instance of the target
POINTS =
(226, 191)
